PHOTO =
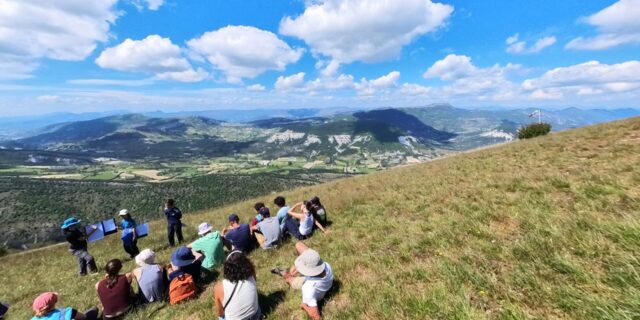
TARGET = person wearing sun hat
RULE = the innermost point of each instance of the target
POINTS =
(184, 260)
(129, 236)
(150, 277)
(210, 245)
(77, 238)
(311, 275)
(44, 308)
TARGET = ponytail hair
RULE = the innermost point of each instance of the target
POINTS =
(113, 271)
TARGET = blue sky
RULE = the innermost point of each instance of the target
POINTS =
(143, 55)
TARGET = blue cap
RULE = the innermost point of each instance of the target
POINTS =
(182, 257)
(233, 217)
(70, 222)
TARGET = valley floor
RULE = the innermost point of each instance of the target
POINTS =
(547, 228)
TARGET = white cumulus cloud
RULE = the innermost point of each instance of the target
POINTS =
(152, 55)
(66, 30)
(368, 87)
(517, 46)
(244, 52)
(364, 30)
(616, 24)
(256, 88)
(587, 78)
(291, 82)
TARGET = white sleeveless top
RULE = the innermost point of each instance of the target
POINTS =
(244, 303)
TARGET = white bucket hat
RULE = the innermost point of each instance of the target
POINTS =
(204, 228)
(309, 263)
(123, 212)
(145, 257)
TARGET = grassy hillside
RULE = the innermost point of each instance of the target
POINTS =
(540, 229)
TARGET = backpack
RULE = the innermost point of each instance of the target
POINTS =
(181, 288)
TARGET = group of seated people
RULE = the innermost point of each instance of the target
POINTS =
(194, 265)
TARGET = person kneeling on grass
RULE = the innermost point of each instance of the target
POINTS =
(151, 277)
(129, 236)
(115, 292)
(311, 275)
(236, 296)
(44, 308)
(211, 246)
(267, 231)
(77, 238)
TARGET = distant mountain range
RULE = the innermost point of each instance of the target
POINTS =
(395, 134)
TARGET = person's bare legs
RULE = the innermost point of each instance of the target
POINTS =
(301, 247)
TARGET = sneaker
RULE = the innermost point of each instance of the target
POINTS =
(278, 271)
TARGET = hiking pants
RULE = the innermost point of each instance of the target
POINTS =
(84, 260)
(131, 248)
(292, 226)
(174, 228)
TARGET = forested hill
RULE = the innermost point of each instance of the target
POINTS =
(546, 228)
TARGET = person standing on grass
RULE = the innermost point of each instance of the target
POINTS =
(210, 244)
(174, 222)
(115, 292)
(77, 238)
(150, 277)
(311, 275)
(267, 232)
(44, 308)
(283, 211)
(236, 296)
(129, 236)
(237, 236)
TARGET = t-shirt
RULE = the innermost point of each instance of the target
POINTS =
(192, 269)
(58, 314)
(270, 229)
(306, 225)
(282, 216)
(127, 230)
(173, 215)
(314, 288)
(240, 238)
(211, 246)
(77, 239)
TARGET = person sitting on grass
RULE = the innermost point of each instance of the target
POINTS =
(150, 277)
(236, 296)
(301, 226)
(77, 238)
(237, 236)
(283, 211)
(209, 244)
(321, 213)
(267, 231)
(261, 210)
(184, 260)
(44, 308)
(311, 275)
(115, 292)
(129, 236)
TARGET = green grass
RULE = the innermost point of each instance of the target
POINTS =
(547, 228)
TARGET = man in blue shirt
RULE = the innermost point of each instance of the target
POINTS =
(282, 212)
(174, 224)
(237, 236)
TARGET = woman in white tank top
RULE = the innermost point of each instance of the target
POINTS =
(236, 296)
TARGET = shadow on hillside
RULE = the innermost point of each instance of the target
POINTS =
(268, 303)
(335, 289)
(387, 124)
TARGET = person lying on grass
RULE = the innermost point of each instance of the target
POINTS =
(115, 291)
(237, 236)
(44, 308)
(236, 296)
(151, 277)
(301, 226)
(311, 275)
